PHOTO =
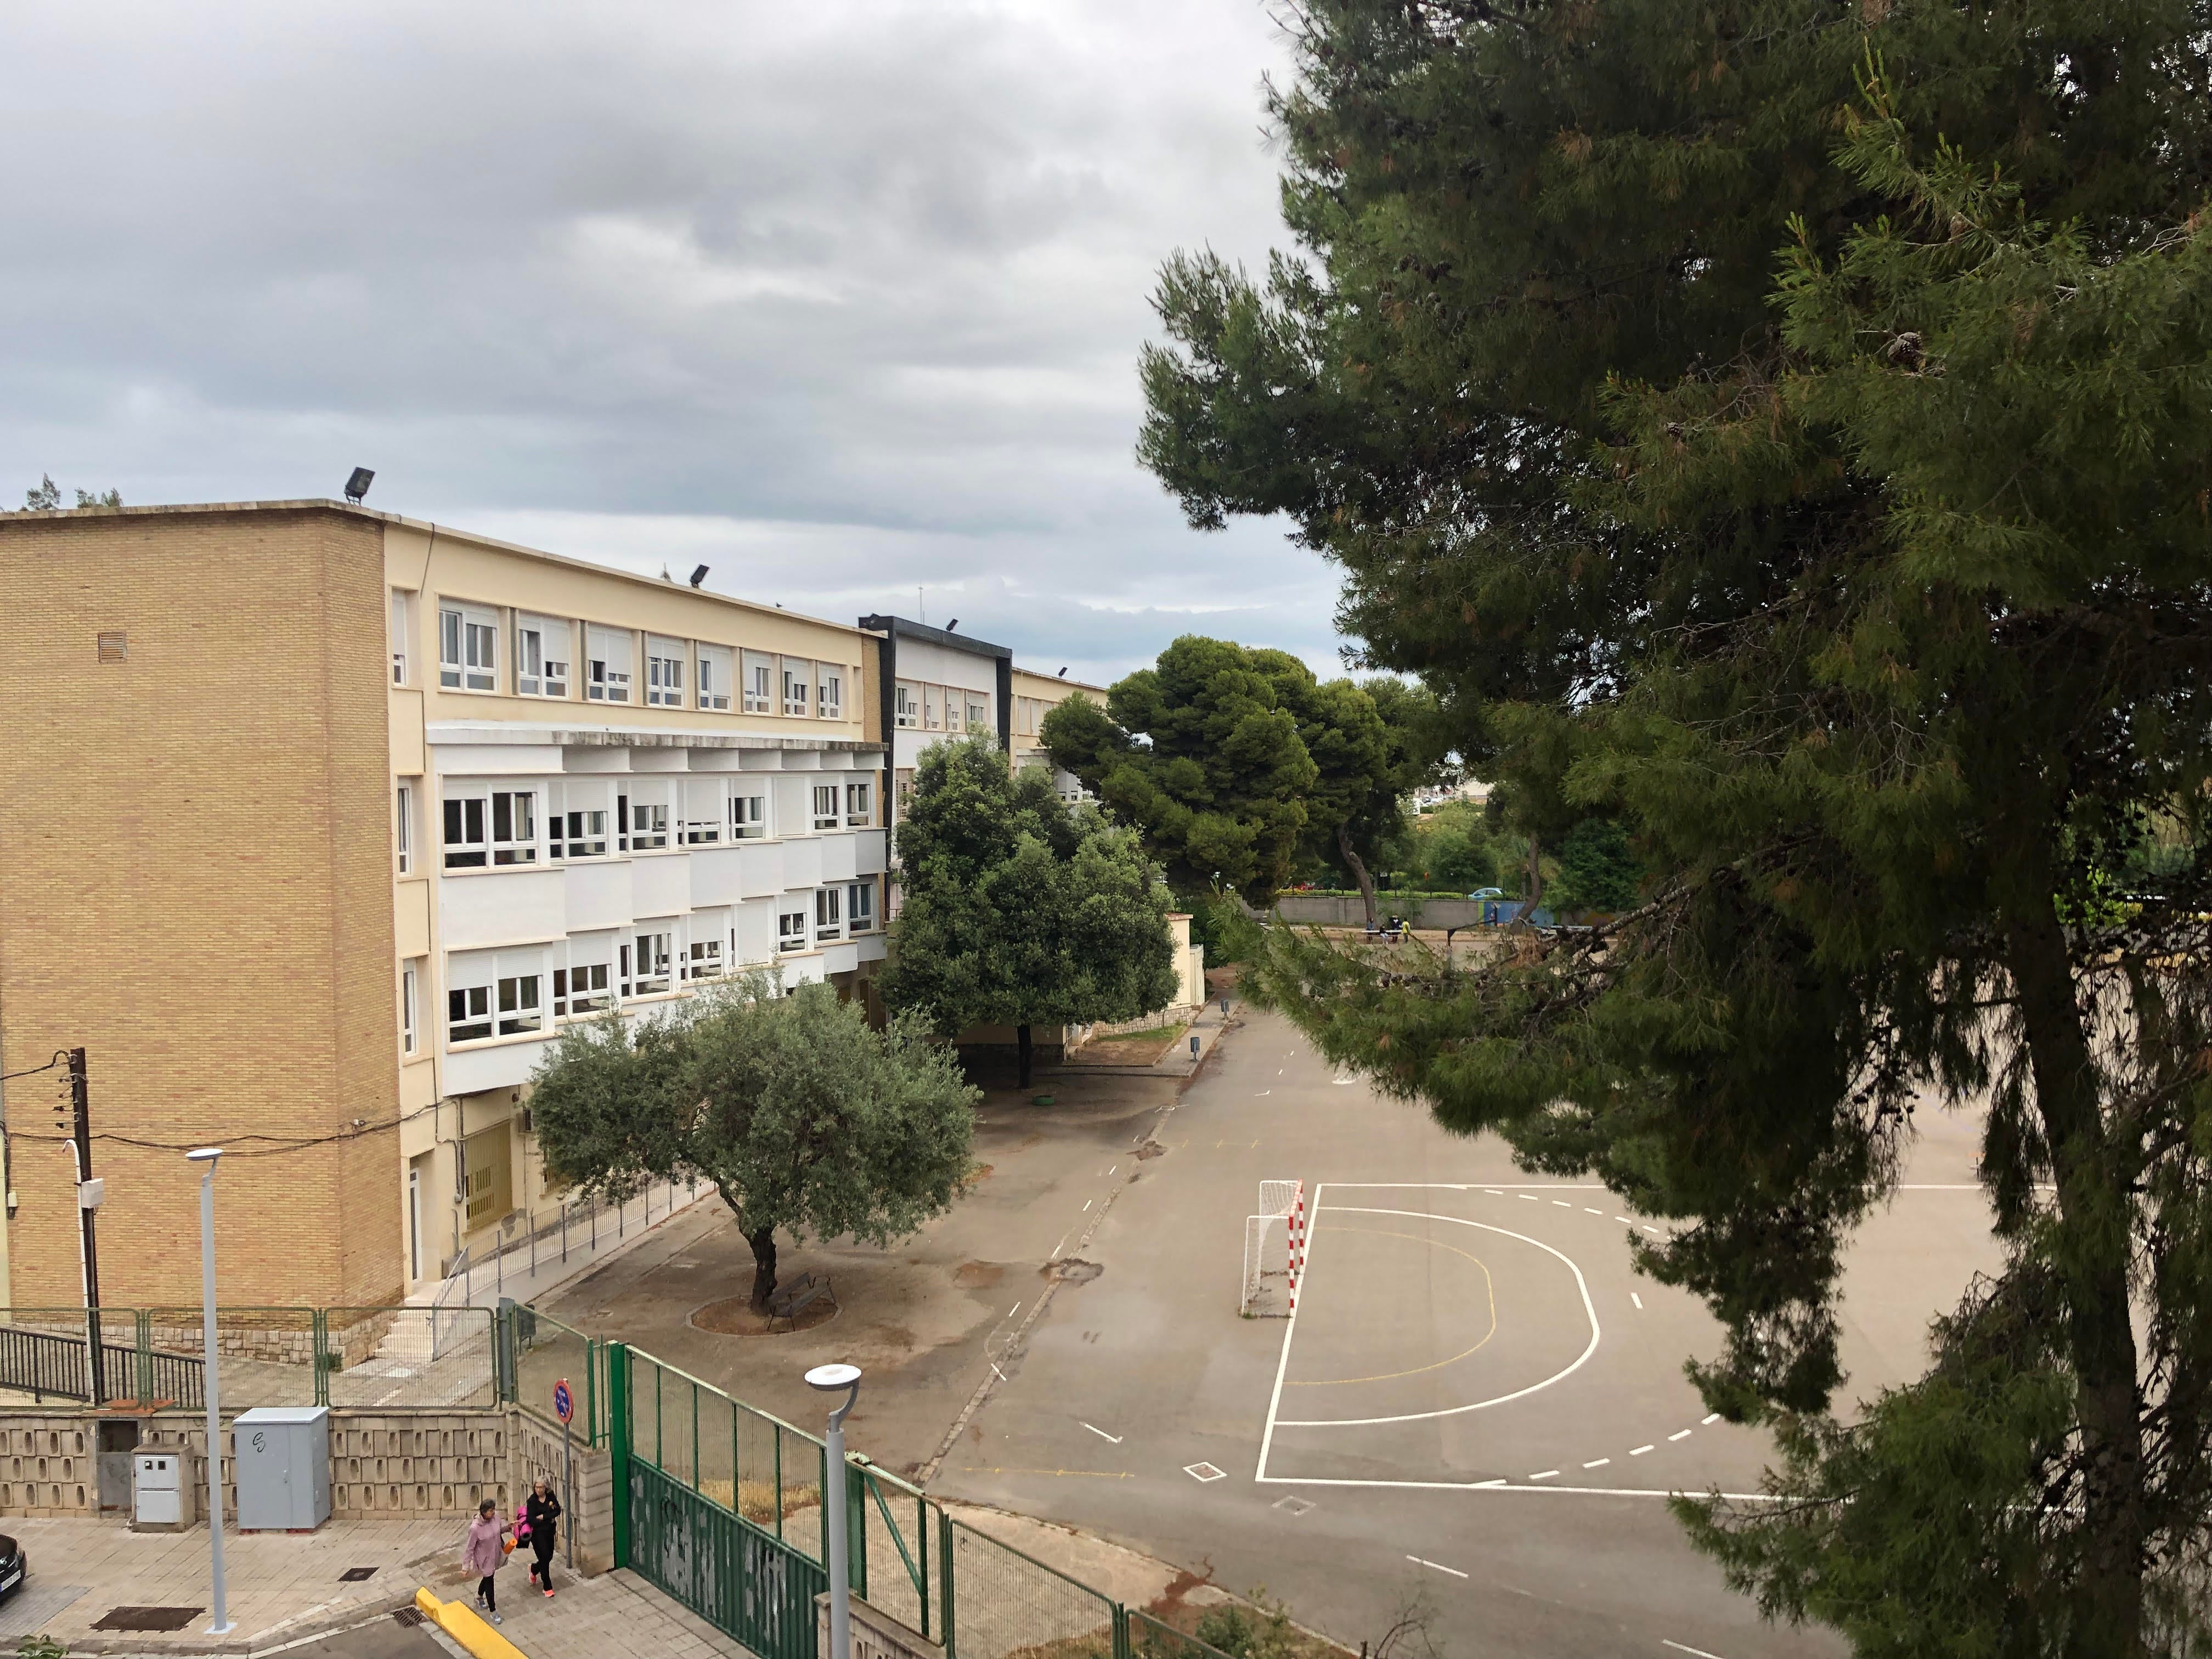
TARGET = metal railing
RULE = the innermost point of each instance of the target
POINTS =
(519, 1261)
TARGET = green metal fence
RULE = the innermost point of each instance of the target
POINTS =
(548, 1352)
(720, 1505)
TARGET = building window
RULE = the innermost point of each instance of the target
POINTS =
(468, 648)
(702, 812)
(1026, 716)
(664, 672)
(400, 637)
(518, 1005)
(468, 1013)
(760, 674)
(645, 965)
(644, 824)
(464, 834)
(541, 657)
(402, 828)
(790, 930)
(906, 704)
(860, 907)
(706, 959)
(829, 913)
(606, 665)
(409, 992)
(952, 709)
(825, 806)
(932, 708)
(715, 677)
(514, 826)
(579, 989)
(578, 833)
(860, 803)
(798, 679)
(979, 712)
(830, 698)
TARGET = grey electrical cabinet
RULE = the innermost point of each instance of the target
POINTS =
(281, 1455)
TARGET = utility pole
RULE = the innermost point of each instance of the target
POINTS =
(87, 1203)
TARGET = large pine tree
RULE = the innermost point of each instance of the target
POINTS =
(1786, 428)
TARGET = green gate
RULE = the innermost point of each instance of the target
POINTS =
(729, 1572)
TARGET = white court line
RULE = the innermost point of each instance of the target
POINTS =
(1563, 1203)
(1710, 1417)
(1438, 1565)
(1545, 1474)
(1638, 1300)
(1494, 1191)
(1590, 1310)
(1597, 1462)
(1100, 1432)
(1526, 1197)
(1493, 1485)
(1638, 1451)
(1588, 1210)
(1679, 1647)
(1680, 1434)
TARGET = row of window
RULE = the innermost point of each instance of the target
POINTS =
(515, 992)
(486, 827)
(925, 707)
(541, 662)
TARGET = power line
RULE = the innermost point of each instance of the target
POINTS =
(232, 1144)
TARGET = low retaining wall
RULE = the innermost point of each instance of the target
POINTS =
(1332, 910)
(383, 1466)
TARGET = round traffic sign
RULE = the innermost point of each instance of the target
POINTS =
(564, 1403)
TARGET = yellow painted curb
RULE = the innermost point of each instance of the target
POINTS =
(462, 1622)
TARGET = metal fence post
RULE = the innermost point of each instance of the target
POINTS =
(619, 1445)
(320, 1325)
(503, 1350)
(145, 1344)
(1121, 1631)
(948, 1625)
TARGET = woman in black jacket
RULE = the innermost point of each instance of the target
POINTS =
(542, 1509)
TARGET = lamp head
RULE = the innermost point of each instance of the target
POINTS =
(830, 1379)
(205, 1155)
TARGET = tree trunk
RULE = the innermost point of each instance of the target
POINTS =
(1536, 882)
(1022, 1048)
(1365, 882)
(2094, 1205)
(762, 1239)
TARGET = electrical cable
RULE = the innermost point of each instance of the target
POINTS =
(280, 1144)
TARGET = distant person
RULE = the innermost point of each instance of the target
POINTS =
(541, 1515)
(486, 1548)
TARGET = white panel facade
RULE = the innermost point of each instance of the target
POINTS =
(501, 907)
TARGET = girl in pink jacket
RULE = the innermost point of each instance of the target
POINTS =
(483, 1553)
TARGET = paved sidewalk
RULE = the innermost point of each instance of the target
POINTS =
(280, 1585)
(1206, 1025)
(614, 1616)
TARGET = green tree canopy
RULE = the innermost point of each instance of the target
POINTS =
(1200, 754)
(1371, 745)
(804, 1117)
(1782, 426)
(1017, 909)
(47, 495)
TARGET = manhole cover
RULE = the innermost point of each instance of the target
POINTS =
(1292, 1506)
(1075, 1270)
(410, 1617)
(1204, 1472)
(146, 1619)
(357, 1575)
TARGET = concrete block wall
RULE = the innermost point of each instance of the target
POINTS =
(410, 1465)
(49, 1465)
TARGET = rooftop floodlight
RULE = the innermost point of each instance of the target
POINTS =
(357, 485)
(1063, 673)
(698, 576)
(953, 626)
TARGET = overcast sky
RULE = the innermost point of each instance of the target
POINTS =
(839, 299)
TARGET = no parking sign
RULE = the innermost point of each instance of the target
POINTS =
(564, 1403)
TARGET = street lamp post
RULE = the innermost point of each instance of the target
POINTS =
(206, 1157)
(835, 1379)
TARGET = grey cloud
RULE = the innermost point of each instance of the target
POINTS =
(864, 278)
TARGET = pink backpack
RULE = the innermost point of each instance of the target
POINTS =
(521, 1521)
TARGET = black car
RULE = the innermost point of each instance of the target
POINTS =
(14, 1564)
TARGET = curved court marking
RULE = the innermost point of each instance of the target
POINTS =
(1590, 1311)
(1489, 1290)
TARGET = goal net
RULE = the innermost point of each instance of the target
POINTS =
(1273, 1247)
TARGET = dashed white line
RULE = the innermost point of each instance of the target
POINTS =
(1597, 1462)
(1622, 1218)
(1637, 1451)
(1648, 1228)
(1680, 1648)
(1544, 1474)
(1588, 1210)
(1086, 1203)
(1494, 1191)
(1710, 1417)
(1680, 1434)
(1438, 1565)
(1525, 1197)
(1480, 1485)
(1563, 1203)
(1638, 1300)
(1100, 1432)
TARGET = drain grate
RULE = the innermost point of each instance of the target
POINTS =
(357, 1575)
(146, 1619)
(1202, 1472)
(410, 1617)
(1292, 1506)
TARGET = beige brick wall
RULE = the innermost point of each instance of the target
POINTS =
(197, 890)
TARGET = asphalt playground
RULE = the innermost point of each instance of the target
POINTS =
(1477, 1409)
